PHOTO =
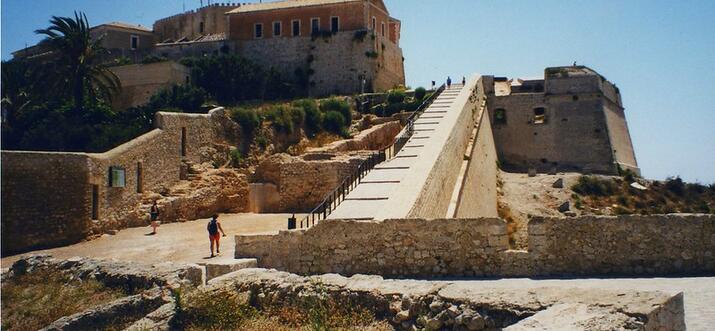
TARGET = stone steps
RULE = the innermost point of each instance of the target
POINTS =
(225, 264)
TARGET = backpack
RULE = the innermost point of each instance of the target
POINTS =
(212, 227)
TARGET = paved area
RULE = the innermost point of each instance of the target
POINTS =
(177, 242)
(699, 292)
(394, 181)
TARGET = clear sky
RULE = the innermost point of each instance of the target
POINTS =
(661, 54)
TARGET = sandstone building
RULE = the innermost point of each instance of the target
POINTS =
(572, 120)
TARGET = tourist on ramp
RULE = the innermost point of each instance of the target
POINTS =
(154, 213)
(213, 227)
(449, 82)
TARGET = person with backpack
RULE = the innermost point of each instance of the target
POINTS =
(449, 82)
(214, 236)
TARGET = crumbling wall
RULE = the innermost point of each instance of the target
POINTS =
(593, 245)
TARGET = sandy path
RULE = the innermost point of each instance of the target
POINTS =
(176, 242)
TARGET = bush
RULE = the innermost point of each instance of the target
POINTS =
(284, 118)
(313, 116)
(589, 185)
(236, 158)
(675, 185)
(338, 105)
(396, 96)
(210, 311)
(420, 93)
(153, 59)
(247, 118)
(334, 122)
(187, 98)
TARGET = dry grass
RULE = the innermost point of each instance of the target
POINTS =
(671, 196)
(225, 310)
(34, 300)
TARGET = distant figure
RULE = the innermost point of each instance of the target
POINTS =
(449, 82)
(433, 84)
(214, 227)
(154, 213)
(464, 80)
(574, 63)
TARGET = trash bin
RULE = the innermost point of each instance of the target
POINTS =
(291, 223)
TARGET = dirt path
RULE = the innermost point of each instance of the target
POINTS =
(176, 242)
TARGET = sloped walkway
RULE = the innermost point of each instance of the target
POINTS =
(383, 183)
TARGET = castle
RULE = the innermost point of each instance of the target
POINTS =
(338, 46)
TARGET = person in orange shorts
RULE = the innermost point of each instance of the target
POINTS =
(214, 236)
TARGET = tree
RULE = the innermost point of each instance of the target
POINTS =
(76, 60)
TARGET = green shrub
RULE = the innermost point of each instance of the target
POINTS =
(675, 185)
(338, 105)
(262, 142)
(153, 59)
(284, 118)
(313, 116)
(185, 97)
(236, 158)
(334, 122)
(372, 54)
(420, 93)
(248, 119)
(396, 96)
(589, 185)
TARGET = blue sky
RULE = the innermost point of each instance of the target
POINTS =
(661, 54)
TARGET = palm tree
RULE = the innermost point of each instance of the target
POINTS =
(76, 59)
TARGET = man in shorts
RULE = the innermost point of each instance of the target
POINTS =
(214, 236)
(154, 214)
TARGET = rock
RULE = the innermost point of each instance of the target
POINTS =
(570, 214)
(402, 316)
(532, 172)
(559, 183)
(436, 306)
(564, 207)
(476, 323)
(433, 324)
(112, 232)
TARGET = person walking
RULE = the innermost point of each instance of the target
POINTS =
(449, 82)
(464, 80)
(154, 214)
(214, 227)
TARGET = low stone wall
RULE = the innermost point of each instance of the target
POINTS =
(624, 245)
(303, 182)
(376, 138)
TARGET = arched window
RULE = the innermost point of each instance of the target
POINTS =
(500, 116)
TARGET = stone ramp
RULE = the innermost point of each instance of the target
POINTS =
(379, 189)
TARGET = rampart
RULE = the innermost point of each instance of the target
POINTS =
(54, 198)
(549, 124)
(593, 245)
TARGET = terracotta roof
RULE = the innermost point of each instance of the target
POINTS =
(126, 26)
(253, 7)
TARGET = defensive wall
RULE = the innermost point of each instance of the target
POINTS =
(338, 61)
(548, 124)
(57, 198)
(194, 23)
(579, 246)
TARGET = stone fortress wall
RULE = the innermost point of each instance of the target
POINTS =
(338, 61)
(581, 111)
(194, 23)
(590, 245)
(57, 198)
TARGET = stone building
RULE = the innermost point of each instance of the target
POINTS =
(121, 39)
(194, 24)
(572, 120)
(141, 81)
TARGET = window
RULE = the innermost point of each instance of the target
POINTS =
(116, 177)
(296, 28)
(374, 23)
(314, 25)
(500, 116)
(134, 42)
(201, 27)
(183, 141)
(539, 115)
(382, 29)
(334, 24)
(258, 31)
(277, 29)
(140, 179)
(95, 202)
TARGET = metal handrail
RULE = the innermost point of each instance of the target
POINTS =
(336, 196)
